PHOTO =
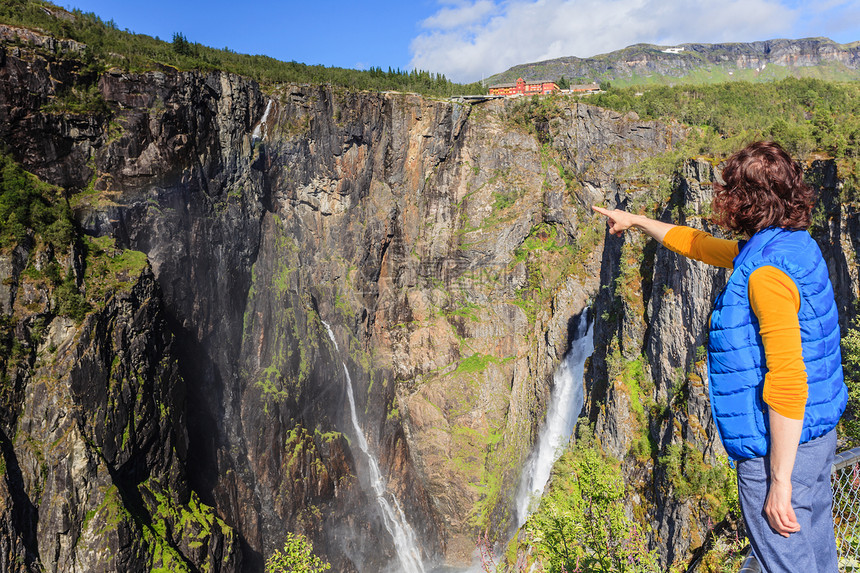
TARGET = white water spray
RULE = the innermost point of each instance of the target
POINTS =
(258, 133)
(395, 522)
(565, 404)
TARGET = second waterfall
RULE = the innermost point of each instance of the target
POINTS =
(565, 404)
(401, 532)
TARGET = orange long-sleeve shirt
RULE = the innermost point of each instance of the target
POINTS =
(775, 302)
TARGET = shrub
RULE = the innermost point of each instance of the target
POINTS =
(581, 525)
(850, 425)
(70, 301)
(803, 115)
(693, 477)
(27, 204)
(79, 100)
(297, 556)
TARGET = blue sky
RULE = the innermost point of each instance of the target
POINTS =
(469, 39)
(331, 32)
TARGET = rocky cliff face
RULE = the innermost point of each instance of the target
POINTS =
(648, 379)
(450, 255)
(94, 440)
(201, 411)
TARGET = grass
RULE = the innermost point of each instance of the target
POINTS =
(542, 237)
(110, 269)
(692, 477)
(31, 208)
(193, 522)
(467, 310)
(271, 386)
(497, 475)
(475, 363)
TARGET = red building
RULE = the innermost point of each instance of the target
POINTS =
(523, 87)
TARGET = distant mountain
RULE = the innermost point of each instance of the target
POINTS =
(701, 63)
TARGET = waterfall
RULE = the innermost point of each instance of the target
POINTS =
(395, 522)
(258, 134)
(565, 404)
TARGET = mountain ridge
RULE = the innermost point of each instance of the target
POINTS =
(701, 63)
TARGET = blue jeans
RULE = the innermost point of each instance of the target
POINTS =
(813, 548)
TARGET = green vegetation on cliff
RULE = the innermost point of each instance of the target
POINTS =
(286, 371)
(804, 115)
(66, 273)
(28, 205)
(107, 45)
(297, 556)
(580, 524)
(81, 99)
(713, 486)
(850, 425)
(165, 528)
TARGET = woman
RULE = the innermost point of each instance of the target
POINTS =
(774, 363)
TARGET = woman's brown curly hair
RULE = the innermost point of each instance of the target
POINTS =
(763, 188)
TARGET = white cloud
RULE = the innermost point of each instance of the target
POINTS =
(460, 15)
(468, 39)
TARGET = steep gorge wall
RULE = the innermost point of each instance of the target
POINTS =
(448, 248)
(451, 256)
(94, 443)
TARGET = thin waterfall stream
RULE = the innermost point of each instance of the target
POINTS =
(259, 132)
(565, 404)
(405, 543)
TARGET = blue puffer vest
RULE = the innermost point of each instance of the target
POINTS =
(736, 361)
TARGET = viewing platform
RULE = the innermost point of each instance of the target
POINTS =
(474, 98)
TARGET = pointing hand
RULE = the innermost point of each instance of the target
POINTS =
(619, 221)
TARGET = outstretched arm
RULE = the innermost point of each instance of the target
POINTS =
(620, 221)
(685, 241)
